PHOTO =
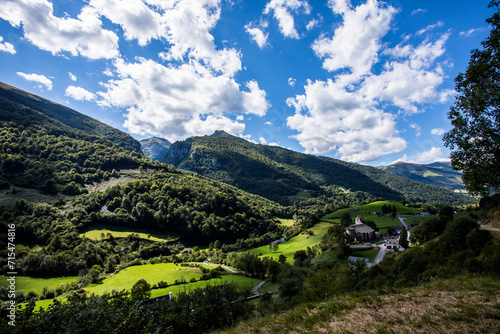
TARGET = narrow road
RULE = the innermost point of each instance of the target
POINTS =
(402, 220)
(257, 287)
(484, 227)
(380, 256)
(218, 265)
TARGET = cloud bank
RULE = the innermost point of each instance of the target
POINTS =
(354, 113)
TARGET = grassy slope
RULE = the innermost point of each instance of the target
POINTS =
(241, 281)
(152, 273)
(460, 305)
(122, 232)
(299, 242)
(367, 211)
(36, 284)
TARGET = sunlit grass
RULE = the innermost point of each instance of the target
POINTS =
(299, 242)
(241, 281)
(95, 232)
(152, 273)
(36, 284)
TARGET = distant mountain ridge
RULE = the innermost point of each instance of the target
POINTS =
(280, 174)
(69, 117)
(438, 173)
(155, 148)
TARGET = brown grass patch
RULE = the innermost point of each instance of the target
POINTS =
(460, 307)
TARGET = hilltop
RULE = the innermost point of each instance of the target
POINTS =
(57, 112)
(154, 147)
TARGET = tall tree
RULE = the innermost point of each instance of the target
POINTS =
(474, 140)
(403, 238)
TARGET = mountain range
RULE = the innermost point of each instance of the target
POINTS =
(276, 173)
(438, 173)
(283, 175)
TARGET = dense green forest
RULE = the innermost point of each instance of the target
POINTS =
(200, 209)
(280, 174)
(40, 152)
(66, 116)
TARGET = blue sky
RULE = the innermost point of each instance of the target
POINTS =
(364, 81)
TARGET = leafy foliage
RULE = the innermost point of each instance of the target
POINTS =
(199, 311)
(474, 140)
(42, 153)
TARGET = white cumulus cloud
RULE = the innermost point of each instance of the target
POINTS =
(137, 20)
(356, 43)
(342, 121)
(283, 12)
(180, 101)
(40, 80)
(83, 35)
(352, 113)
(431, 155)
(438, 131)
(257, 33)
(79, 93)
(7, 47)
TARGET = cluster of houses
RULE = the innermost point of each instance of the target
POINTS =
(359, 231)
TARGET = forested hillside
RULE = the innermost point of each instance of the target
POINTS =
(282, 175)
(42, 153)
(66, 116)
(169, 201)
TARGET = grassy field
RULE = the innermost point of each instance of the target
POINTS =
(367, 211)
(241, 281)
(36, 284)
(301, 195)
(299, 242)
(152, 273)
(95, 231)
(460, 305)
(370, 254)
(286, 222)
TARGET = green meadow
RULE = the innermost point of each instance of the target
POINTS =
(95, 232)
(36, 284)
(370, 254)
(241, 281)
(367, 211)
(299, 242)
(152, 273)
